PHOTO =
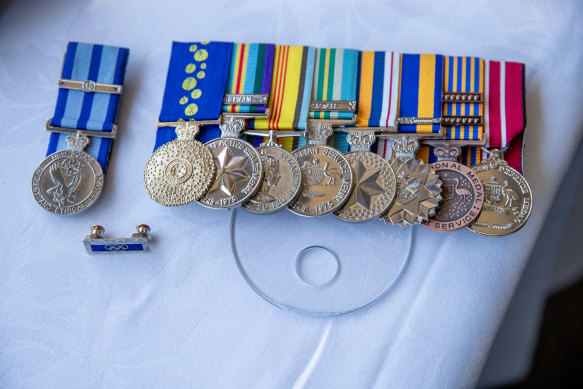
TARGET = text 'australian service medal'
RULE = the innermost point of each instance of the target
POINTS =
(326, 180)
(507, 195)
(68, 181)
(462, 194)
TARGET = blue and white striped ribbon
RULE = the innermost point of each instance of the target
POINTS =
(82, 110)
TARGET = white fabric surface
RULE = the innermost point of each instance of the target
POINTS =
(182, 316)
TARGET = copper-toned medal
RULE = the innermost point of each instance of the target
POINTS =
(462, 192)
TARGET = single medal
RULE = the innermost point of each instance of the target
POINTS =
(463, 121)
(326, 175)
(374, 180)
(327, 179)
(182, 169)
(239, 168)
(508, 198)
(462, 190)
(69, 180)
(282, 176)
(418, 187)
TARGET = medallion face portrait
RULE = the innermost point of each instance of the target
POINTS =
(239, 173)
(375, 186)
(326, 180)
(462, 197)
(67, 182)
(179, 172)
(281, 183)
(507, 198)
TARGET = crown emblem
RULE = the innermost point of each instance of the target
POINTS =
(447, 152)
(77, 142)
(232, 127)
(405, 146)
(187, 130)
(318, 133)
(360, 140)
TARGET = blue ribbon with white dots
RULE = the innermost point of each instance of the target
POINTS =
(96, 111)
(195, 87)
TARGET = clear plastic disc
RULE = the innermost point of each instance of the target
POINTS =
(319, 266)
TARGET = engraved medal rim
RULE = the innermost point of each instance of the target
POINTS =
(394, 194)
(484, 233)
(349, 192)
(251, 193)
(163, 150)
(98, 173)
(287, 203)
(432, 221)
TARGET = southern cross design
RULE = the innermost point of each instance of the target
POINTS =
(365, 185)
(230, 171)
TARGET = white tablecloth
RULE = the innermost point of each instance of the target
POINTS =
(182, 316)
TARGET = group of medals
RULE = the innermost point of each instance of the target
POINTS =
(316, 131)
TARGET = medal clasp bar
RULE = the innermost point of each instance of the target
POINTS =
(187, 129)
(317, 129)
(450, 150)
(247, 99)
(90, 86)
(101, 134)
(333, 105)
(138, 242)
(462, 98)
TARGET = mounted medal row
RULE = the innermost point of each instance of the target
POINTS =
(316, 131)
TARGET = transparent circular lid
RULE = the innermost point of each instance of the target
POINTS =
(319, 266)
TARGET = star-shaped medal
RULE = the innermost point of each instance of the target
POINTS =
(230, 171)
(365, 179)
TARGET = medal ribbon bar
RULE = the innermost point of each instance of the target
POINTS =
(378, 97)
(195, 86)
(249, 81)
(463, 109)
(505, 118)
(334, 91)
(421, 79)
(289, 97)
(83, 111)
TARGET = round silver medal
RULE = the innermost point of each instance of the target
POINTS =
(239, 169)
(281, 183)
(326, 180)
(374, 180)
(69, 181)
